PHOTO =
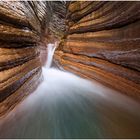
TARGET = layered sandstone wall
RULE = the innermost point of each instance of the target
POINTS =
(103, 43)
(20, 68)
(26, 27)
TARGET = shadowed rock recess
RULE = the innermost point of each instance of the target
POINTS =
(99, 40)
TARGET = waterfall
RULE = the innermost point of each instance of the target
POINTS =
(67, 106)
(51, 49)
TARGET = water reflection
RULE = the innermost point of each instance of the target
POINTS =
(66, 106)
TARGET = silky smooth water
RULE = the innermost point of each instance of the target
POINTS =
(67, 106)
(50, 48)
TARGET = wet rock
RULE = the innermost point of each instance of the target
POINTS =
(23, 91)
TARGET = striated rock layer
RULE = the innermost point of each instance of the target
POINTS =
(20, 69)
(25, 29)
(102, 43)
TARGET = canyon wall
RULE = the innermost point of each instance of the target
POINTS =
(20, 69)
(26, 27)
(102, 43)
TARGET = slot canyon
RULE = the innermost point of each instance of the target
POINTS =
(69, 69)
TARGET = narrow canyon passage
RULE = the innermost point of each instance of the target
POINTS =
(69, 69)
(67, 106)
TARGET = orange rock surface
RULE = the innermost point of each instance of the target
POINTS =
(102, 43)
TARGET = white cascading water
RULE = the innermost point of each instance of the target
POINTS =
(50, 48)
(67, 106)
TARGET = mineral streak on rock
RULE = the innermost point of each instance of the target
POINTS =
(103, 43)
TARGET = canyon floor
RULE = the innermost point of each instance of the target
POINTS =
(67, 106)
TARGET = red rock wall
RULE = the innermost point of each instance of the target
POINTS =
(20, 68)
(102, 42)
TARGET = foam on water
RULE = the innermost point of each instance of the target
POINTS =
(51, 48)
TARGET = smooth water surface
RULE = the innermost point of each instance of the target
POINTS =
(66, 106)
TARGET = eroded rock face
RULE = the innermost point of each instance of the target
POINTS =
(99, 40)
(103, 43)
(22, 25)
(25, 29)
